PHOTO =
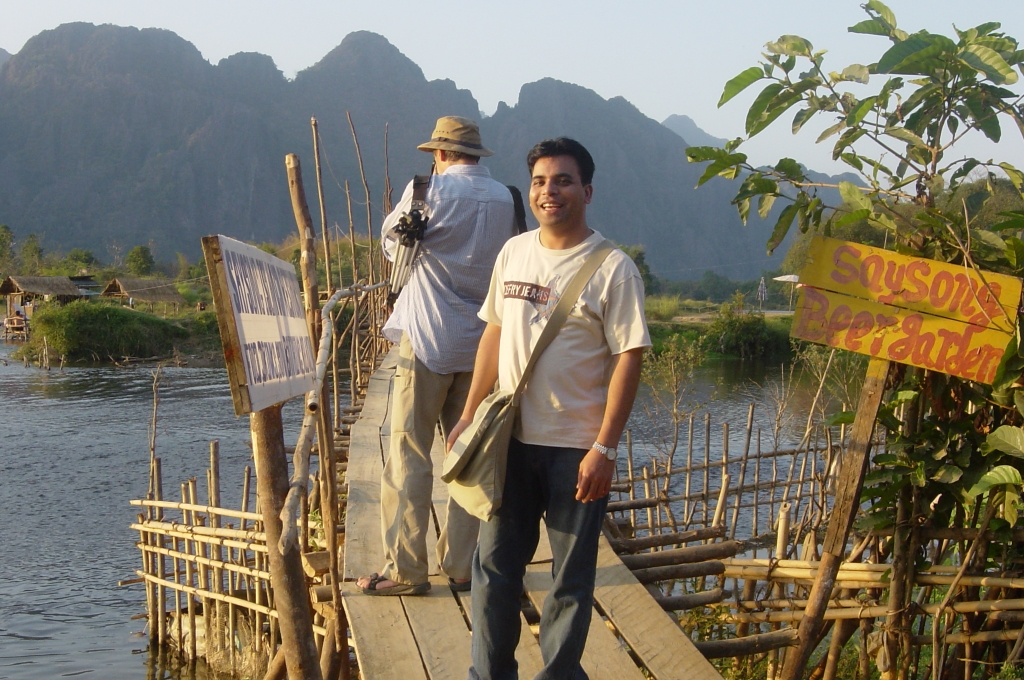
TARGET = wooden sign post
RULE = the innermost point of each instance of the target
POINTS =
(893, 308)
(269, 359)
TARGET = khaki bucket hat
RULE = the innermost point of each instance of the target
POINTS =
(454, 133)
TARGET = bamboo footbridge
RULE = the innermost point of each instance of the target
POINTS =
(428, 637)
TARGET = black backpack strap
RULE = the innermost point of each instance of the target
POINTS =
(517, 202)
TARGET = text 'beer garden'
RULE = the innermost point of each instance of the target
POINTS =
(930, 314)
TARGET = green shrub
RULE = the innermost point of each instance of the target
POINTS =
(745, 334)
(88, 330)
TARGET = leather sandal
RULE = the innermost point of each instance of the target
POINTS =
(397, 589)
(460, 587)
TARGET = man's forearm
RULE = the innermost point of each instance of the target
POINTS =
(485, 369)
(622, 388)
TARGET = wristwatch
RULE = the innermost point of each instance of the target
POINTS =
(608, 452)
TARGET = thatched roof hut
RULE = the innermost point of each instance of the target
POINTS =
(46, 286)
(144, 290)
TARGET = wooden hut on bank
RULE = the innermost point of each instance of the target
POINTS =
(147, 291)
(24, 293)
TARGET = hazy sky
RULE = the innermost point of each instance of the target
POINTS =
(664, 56)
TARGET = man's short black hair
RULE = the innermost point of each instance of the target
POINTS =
(563, 146)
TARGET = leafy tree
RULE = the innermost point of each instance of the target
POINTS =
(636, 253)
(31, 255)
(928, 201)
(78, 259)
(139, 261)
(6, 249)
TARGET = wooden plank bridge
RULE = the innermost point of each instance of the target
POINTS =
(428, 637)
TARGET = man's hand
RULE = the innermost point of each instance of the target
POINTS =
(595, 477)
(456, 431)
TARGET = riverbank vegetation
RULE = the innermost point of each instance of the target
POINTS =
(100, 332)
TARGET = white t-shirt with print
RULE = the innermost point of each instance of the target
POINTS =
(563, 404)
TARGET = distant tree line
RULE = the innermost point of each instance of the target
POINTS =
(27, 258)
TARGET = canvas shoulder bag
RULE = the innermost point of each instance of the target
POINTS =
(475, 467)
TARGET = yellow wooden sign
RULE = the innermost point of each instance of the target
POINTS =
(887, 332)
(914, 311)
(939, 288)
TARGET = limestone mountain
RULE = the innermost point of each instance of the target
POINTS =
(112, 137)
(685, 127)
(4, 56)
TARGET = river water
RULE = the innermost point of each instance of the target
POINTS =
(74, 450)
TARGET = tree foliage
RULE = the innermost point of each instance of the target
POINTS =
(140, 261)
(6, 250)
(897, 121)
(30, 255)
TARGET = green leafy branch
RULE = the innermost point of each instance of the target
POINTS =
(936, 91)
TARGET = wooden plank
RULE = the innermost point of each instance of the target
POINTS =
(364, 553)
(531, 661)
(947, 290)
(440, 630)
(652, 634)
(383, 640)
(886, 332)
(605, 657)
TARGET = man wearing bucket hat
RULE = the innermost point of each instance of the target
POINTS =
(435, 323)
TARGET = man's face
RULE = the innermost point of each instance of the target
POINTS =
(558, 196)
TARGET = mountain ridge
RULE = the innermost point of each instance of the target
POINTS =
(113, 136)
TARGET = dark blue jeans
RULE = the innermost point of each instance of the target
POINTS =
(540, 482)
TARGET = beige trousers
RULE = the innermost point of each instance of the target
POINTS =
(420, 399)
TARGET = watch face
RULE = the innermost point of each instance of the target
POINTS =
(610, 454)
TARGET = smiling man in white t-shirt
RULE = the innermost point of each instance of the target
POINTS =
(562, 456)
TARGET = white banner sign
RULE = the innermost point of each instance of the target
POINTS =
(271, 323)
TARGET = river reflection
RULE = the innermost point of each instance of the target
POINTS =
(74, 451)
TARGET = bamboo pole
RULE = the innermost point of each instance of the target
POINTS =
(369, 210)
(629, 470)
(689, 464)
(323, 208)
(267, 611)
(213, 499)
(151, 614)
(160, 570)
(189, 577)
(224, 512)
(647, 496)
(743, 473)
(755, 527)
(247, 539)
(707, 465)
(697, 553)
(205, 561)
(676, 538)
(720, 505)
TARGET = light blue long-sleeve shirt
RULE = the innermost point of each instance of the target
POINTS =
(471, 217)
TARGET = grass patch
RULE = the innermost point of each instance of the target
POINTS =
(661, 307)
